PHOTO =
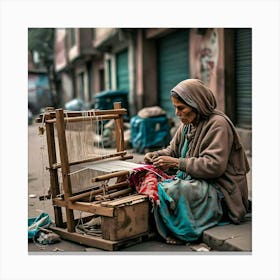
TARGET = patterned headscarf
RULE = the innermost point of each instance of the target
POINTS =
(197, 95)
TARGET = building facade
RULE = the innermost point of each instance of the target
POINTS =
(148, 62)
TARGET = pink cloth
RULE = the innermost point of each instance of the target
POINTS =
(145, 180)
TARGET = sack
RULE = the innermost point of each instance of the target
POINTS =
(149, 112)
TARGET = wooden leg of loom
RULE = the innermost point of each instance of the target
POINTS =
(70, 220)
(54, 182)
(65, 168)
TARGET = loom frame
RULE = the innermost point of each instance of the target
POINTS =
(135, 205)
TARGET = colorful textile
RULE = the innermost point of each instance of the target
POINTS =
(145, 180)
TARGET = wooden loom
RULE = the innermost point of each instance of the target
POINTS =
(123, 213)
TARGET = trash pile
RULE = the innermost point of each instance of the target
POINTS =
(38, 230)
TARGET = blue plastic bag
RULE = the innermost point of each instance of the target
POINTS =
(34, 224)
(150, 132)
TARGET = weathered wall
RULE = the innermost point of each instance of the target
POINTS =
(207, 60)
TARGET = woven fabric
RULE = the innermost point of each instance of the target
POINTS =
(145, 180)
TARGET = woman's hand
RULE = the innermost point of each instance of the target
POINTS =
(149, 157)
(165, 162)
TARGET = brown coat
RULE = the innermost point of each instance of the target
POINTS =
(216, 155)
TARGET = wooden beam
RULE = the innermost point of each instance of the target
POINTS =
(60, 125)
(89, 240)
(109, 176)
(132, 199)
(95, 192)
(97, 158)
(119, 129)
(92, 207)
(98, 242)
(89, 207)
(86, 118)
(116, 194)
(54, 182)
(121, 111)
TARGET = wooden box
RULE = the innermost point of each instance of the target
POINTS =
(130, 218)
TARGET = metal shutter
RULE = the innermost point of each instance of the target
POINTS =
(243, 62)
(122, 70)
(173, 65)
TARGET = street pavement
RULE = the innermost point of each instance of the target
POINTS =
(227, 238)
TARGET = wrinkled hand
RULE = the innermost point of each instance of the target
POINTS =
(165, 162)
(149, 157)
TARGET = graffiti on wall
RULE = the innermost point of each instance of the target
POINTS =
(209, 55)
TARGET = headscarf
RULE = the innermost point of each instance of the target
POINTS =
(197, 95)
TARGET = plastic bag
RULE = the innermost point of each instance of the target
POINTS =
(34, 224)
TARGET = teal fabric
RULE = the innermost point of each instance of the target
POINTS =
(34, 224)
(182, 174)
(187, 206)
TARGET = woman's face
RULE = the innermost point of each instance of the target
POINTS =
(183, 111)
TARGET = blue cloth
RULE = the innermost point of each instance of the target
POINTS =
(182, 174)
(187, 206)
(34, 224)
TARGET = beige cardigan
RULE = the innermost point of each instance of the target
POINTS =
(216, 155)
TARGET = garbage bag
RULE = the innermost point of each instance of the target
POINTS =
(149, 132)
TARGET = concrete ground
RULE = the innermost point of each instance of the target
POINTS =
(228, 238)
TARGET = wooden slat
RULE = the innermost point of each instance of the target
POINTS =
(92, 207)
(124, 200)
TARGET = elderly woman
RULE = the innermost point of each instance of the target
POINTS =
(211, 165)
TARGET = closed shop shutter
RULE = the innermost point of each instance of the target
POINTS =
(122, 70)
(243, 62)
(173, 65)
